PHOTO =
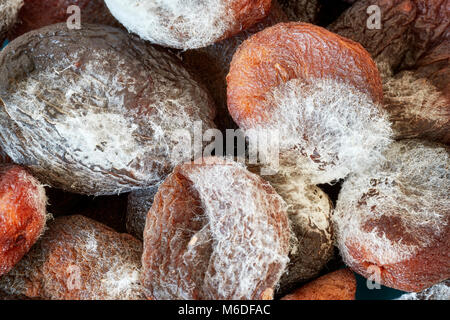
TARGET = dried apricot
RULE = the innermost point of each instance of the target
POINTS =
(9, 10)
(410, 44)
(187, 25)
(319, 93)
(392, 221)
(215, 231)
(309, 212)
(95, 110)
(337, 285)
(301, 10)
(78, 259)
(22, 214)
(37, 14)
(212, 64)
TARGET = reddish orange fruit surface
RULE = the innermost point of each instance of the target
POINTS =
(22, 214)
(337, 285)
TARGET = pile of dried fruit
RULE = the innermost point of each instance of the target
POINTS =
(101, 199)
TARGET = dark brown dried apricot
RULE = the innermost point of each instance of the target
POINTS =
(215, 231)
(411, 49)
(212, 63)
(95, 110)
(139, 203)
(301, 10)
(37, 14)
(22, 214)
(315, 94)
(78, 259)
(418, 100)
(4, 157)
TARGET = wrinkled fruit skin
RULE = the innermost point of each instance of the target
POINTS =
(212, 64)
(139, 203)
(4, 157)
(412, 52)
(37, 14)
(409, 28)
(119, 87)
(9, 10)
(301, 10)
(78, 259)
(440, 291)
(314, 242)
(207, 227)
(294, 51)
(393, 221)
(22, 214)
(337, 285)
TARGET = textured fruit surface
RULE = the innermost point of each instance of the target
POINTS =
(294, 51)
(215, 231)
(4, 157)
(37, 14)
(78, 259)
(187, 25)
(109, 210)
(22, 214)
(315, 94)
(309, 211)
(392, 222)
(409, 28)
(301, 10)
(9, 10)
(338, 285)
(212, 63)
(440, 291)
(6, 296)
(411, 49)
(95, 110)
(139, 203)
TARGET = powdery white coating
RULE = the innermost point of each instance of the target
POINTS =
(310, 204)
(237, 205)
(215, 231)
(78, 258)
(174, 23)
(91, 138)
(309, 211)
(412, 185)
(440, 291)
(416, 107)
(88, 131)
(327, 129)
(8, 15)
(36, 197)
